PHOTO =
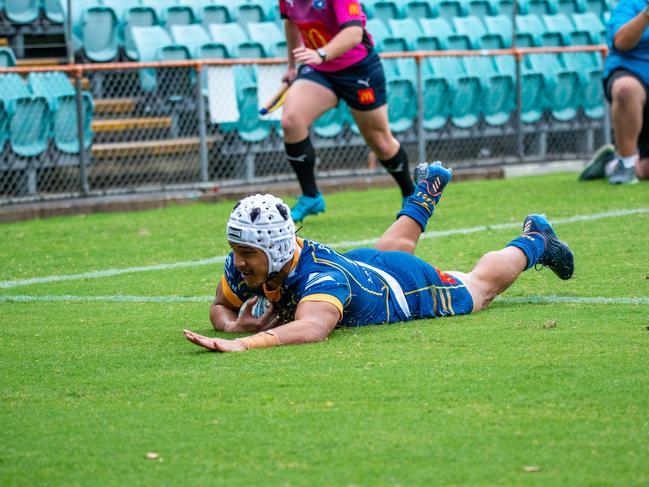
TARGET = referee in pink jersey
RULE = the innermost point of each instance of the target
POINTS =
(336, 58)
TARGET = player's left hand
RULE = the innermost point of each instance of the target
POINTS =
(304, 55)
(214, 344)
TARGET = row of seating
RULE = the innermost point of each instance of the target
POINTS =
(29, 11)
(42, 109)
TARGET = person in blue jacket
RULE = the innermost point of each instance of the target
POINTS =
(626, 87)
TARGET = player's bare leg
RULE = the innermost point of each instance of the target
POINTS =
(496, 271)
(404, 233)
(375, 129)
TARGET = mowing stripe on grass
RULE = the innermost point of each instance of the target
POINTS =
(206, 299)
(344, 244)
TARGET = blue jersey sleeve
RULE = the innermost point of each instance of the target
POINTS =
(232, 283)
(328, 285)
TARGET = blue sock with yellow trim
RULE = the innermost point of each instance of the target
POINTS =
(533, 246)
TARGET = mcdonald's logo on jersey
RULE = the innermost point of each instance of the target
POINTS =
(354, 9)
(366, 96)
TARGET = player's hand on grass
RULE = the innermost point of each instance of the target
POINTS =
(246, 322)
(215, 344)
(304, 55)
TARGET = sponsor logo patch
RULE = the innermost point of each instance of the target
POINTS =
(354, 9)
(234, 232)
(366, 96)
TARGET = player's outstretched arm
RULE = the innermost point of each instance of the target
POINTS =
(314, 321)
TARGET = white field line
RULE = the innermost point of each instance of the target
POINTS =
(207, 299)
(344, 244)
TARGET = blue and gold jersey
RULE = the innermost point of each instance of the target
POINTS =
(367, 286)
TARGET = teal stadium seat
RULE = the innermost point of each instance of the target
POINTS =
(98, 33)
(588, 66)
(474, 30)
(419, 9)
(270, 37)
(438, 93)
(379, 31)
(537, 7)
(132, 15)
(383, 9)
(171, 12)
(598, 7)
(498, 89)
(148, 44)
(28, 117)
(250, 128)
(250, 11)
(499, 31)
(58, 91)
(332, 122)
(558, 30)
(466, 101)
(532, 84)
(236, 41)
(482, 8)
(529, 31)
(404, 35)
(589, 30)
(207, 12)
(449, 9)
(434, 35)
(571, 7)
(53, 11)
(22, 11)
(7, 57)
(561, 85)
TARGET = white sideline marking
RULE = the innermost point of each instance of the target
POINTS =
(207, 299)
(344, 244)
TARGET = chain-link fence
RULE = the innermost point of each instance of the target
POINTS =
(152, 126)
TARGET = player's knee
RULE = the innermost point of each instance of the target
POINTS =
(627, 92)
(383, 144)
(291, 123)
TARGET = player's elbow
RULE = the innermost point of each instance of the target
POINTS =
(622, 42)
(318, 332)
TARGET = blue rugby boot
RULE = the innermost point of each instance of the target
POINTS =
(556, 254)
(307, 205)
(430, 181)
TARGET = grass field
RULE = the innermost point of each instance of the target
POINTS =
(90, 386)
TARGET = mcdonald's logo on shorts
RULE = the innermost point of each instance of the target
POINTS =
(354, 9)
(366, 96)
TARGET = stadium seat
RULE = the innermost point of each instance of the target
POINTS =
(498, 89)
(56, 88)
(537, 7)
(405, 33)
(379, 31)
(269, 36)
(148, 43)
(7, 58)
(383, 9)
(208, 12)
(22, 11)
(194, 37)
(481, 8)
(250, 11)
(53, 11)
(449, 9)
(4, 128)
(439, 31)
(561, 85)
(332, 122)
(466, 89)
(28, 116)
(499, 31)
(558, 30)
(588, 66)
(98, 33)
(597, 7)
(529, 30)
(571, 7)
(434, 35)
(589, 29)
(250, 128)
(419, 9)
(438, 93)
(473, 29)
(172, 13)
(235, 40)
(134, 15)
(532, 84)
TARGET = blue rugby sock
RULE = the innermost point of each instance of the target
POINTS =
(533, 246)
(420, 206)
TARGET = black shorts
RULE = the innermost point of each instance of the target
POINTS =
(643, 139)
(361, 85)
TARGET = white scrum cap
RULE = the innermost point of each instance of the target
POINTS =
(264, 221)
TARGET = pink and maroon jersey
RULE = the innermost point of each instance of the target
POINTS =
(320, 20)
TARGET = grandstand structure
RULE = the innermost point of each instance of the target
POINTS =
(121, 105)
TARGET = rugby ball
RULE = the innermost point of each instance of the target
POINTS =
(259, 308)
